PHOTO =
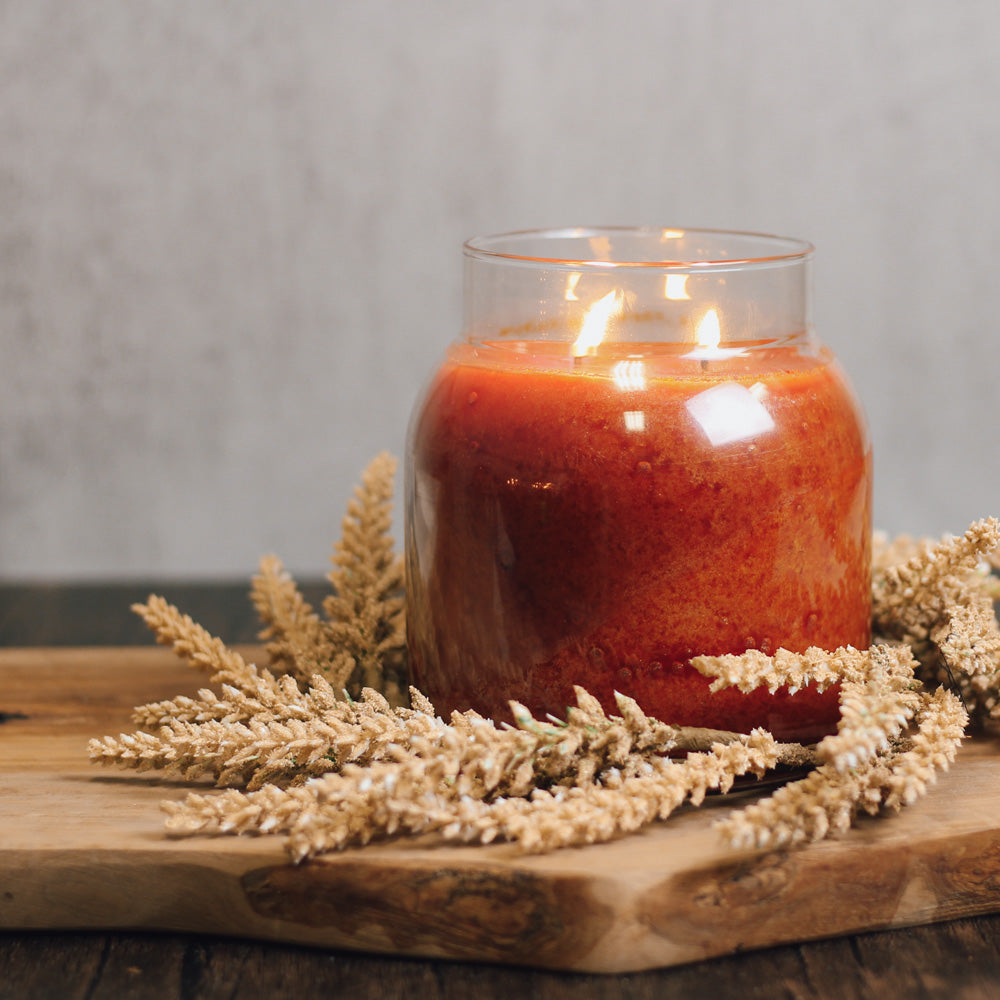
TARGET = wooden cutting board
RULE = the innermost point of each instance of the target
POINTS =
(84, 847)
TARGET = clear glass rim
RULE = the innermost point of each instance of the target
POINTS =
(774, 250)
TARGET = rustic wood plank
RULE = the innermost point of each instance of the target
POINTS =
(27, 969)
(956, 961)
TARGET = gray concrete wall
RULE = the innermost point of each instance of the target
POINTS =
(230, 231)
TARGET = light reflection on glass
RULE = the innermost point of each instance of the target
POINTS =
(675, 287)
(730, 412)
(629, 375)
(600, 247)
(635, 420)
(595, 323)
(533, 485)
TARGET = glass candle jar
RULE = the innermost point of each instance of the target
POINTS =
(637, 452)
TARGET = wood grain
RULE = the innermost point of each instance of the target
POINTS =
(82, 847)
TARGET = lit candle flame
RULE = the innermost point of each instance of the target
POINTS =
(675, 287)
(595, 323)
(709, 333)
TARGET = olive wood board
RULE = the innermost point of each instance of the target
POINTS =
(84, 847)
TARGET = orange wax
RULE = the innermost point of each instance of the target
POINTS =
(601, 521)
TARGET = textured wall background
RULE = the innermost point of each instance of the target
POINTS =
(230, 232)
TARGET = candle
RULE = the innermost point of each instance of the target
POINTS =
(587, 504)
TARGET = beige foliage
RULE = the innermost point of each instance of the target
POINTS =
(324, 746)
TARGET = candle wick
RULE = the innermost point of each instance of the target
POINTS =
(704, 364)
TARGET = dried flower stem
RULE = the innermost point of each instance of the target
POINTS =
(194, 644)
(366, 610)
(826, 801)
(909, 599)
(300, 644)
(329, 768)
(428, 794)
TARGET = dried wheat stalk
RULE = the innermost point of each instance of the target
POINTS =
(321, 746)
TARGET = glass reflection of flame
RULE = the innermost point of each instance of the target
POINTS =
(629, 375)
(595, 323)
(675, 287)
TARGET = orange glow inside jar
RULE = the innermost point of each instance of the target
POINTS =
(631, 458)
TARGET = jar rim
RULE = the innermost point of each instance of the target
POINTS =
(772, 250)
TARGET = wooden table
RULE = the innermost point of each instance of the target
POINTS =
(959, 959)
